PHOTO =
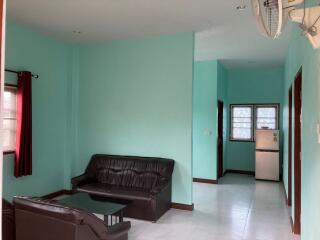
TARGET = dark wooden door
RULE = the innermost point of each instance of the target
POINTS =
(220, 139)
(290, 148)
(297, 153)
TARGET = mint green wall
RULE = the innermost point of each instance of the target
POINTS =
(210, 84)
(292, 66)
(135, 98)
(223, 96)
(205, 119)
(251, 86)
(300, 53)
(125, 97)
(27, 50)
(72, 153)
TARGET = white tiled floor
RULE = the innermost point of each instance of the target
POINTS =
(239, 208)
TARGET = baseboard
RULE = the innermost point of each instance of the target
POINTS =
(268, 180)
(251, 173)
(182, 206)
(57, 194)
(203, 180)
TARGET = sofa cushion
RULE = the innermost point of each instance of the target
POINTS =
(110, 191)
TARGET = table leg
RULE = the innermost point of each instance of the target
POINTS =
(118, 218)
(121, 216)
(106, 219)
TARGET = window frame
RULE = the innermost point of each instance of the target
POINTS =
(231, 123)
(12, 86)
(254, 107)
(276, 106)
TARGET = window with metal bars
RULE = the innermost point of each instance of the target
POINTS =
(266, 116)
(245, 119)
(9, 118)
(241, 122)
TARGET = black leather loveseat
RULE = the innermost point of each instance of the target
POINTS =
(145, 183)
(40, 219)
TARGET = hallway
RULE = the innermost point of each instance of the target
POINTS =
(239, 208)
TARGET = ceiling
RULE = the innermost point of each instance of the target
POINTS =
(235, 40)
(222, 32)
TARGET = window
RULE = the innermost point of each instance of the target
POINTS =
(241, 117)
(245, 119)
(267, 117)
(9, 118)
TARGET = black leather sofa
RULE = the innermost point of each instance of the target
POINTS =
(39, 219)
(8, 225)
(144, 183)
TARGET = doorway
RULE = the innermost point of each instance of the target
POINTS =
(297, 152)
(289, 201)
(220, 140)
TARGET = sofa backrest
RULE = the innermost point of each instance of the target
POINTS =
(129, 171)
(37, 219)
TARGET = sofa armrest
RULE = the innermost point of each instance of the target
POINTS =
(162, 185)
(104, 232)
(80, 180)
(117, 231)
(8, 221)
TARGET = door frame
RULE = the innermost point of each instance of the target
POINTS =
(297, 151)
(289, 199)
(220, 140)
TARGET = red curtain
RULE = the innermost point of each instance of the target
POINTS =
(23, 161)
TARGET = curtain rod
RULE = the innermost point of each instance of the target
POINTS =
(16, 72)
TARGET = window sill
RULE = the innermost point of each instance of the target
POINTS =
(8, 152)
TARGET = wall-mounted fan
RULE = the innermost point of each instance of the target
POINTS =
(271, 16)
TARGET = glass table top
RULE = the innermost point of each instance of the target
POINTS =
(85, 202)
